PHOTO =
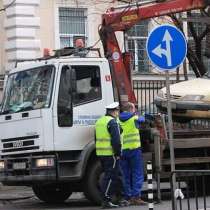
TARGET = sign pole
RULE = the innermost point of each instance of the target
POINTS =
(170, 131)
(167, 48)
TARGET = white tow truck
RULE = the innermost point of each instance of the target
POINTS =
(47, 140)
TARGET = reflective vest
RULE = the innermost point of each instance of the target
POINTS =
(131, 136)
(103, 137)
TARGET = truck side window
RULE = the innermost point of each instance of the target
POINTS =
(88, 82)
(64, 109)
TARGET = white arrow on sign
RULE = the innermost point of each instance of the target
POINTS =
(167, 52)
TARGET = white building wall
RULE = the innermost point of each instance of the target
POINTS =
(2, 40)
(47, 25)
(20, 25)
(29, 26)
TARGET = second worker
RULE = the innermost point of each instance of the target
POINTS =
(132, 162)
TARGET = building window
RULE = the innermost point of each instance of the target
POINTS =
(137, 37)
(72, 23)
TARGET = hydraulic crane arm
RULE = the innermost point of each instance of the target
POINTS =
(122, 19)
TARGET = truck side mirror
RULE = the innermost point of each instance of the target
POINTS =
(64, 106)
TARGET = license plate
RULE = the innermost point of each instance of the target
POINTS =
(20, 165)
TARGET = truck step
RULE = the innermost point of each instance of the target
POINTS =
(188, 160)
(191, 133)
(187, 143)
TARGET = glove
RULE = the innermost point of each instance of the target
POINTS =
(141, 119)
(178, 194)
(117, 157)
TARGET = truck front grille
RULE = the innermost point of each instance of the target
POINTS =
(19, 144)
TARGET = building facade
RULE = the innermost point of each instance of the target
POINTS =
(27, 27)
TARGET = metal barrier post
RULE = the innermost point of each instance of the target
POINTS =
(157, 162)
(172, 191)
(150, 185)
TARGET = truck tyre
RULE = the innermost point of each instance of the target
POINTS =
(92, 183)
(54, 193)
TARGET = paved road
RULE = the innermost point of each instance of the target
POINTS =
(23, 199)
(82, 204)
(74, 204)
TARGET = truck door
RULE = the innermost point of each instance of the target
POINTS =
(88, 103)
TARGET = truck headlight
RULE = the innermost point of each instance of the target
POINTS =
(1, 165)
(192, 98)
(44, 162)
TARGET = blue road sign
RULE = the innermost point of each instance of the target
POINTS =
(166, 47)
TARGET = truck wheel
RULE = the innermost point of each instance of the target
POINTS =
(54, 193)
(92, 183)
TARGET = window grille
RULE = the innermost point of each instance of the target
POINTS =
(72, 22)
(137, 37)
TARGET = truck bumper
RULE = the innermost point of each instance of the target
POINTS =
(25, 180)
(43, 167)
(24, 171)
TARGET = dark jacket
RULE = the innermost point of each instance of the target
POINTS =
(114, 130)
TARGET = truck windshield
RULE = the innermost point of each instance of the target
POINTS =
(28, 90)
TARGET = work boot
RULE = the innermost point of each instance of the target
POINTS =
(123, 202)
(108, 205)
(137, 202)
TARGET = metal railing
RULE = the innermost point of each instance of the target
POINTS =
(146, 91)
(1, 82)
(191, 192)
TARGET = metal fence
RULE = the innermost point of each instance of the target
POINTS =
(146, 91)
(1, 82)
(192, 190)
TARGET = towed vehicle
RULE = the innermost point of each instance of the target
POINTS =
(189, 100)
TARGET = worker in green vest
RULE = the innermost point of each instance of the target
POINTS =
(132, 162)
(108, 150)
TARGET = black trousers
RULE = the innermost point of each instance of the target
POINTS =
(112, 181)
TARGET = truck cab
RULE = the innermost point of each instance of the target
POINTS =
(47, 122)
